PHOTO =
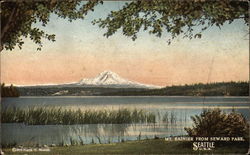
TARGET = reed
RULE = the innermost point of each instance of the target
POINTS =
(51, 116)
(173, 118)
(165, 118)
(170, 117)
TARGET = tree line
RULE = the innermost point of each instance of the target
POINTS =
(9, 91)
(240, 88)
(199, 89)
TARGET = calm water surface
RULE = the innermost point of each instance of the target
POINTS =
(178, 109)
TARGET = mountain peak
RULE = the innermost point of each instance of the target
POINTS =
(107, 73)
(108, 78)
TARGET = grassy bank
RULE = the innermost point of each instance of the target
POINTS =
(48, 116)
(155, 146)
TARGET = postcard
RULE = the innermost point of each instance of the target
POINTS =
(124, 77)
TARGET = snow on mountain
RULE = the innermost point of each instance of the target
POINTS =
(104, 79)
(111, 79)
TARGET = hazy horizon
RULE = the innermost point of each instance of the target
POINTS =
(37, 84)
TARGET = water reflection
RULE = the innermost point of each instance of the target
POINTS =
(169, 123)
(172, 115)
(32, 135)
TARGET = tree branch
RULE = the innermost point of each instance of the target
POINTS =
(7, 25)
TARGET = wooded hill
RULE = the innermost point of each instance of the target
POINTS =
(210, 89)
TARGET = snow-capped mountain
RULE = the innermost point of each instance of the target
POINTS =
(105, 79)
(111, 79)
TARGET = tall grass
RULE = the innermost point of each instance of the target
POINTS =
(49, 116)
(169, 118)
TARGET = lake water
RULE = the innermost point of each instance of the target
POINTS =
(179, 109)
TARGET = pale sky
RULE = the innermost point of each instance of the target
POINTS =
(81, 51)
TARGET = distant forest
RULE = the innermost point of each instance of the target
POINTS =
(9, 91)
(210, 89)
